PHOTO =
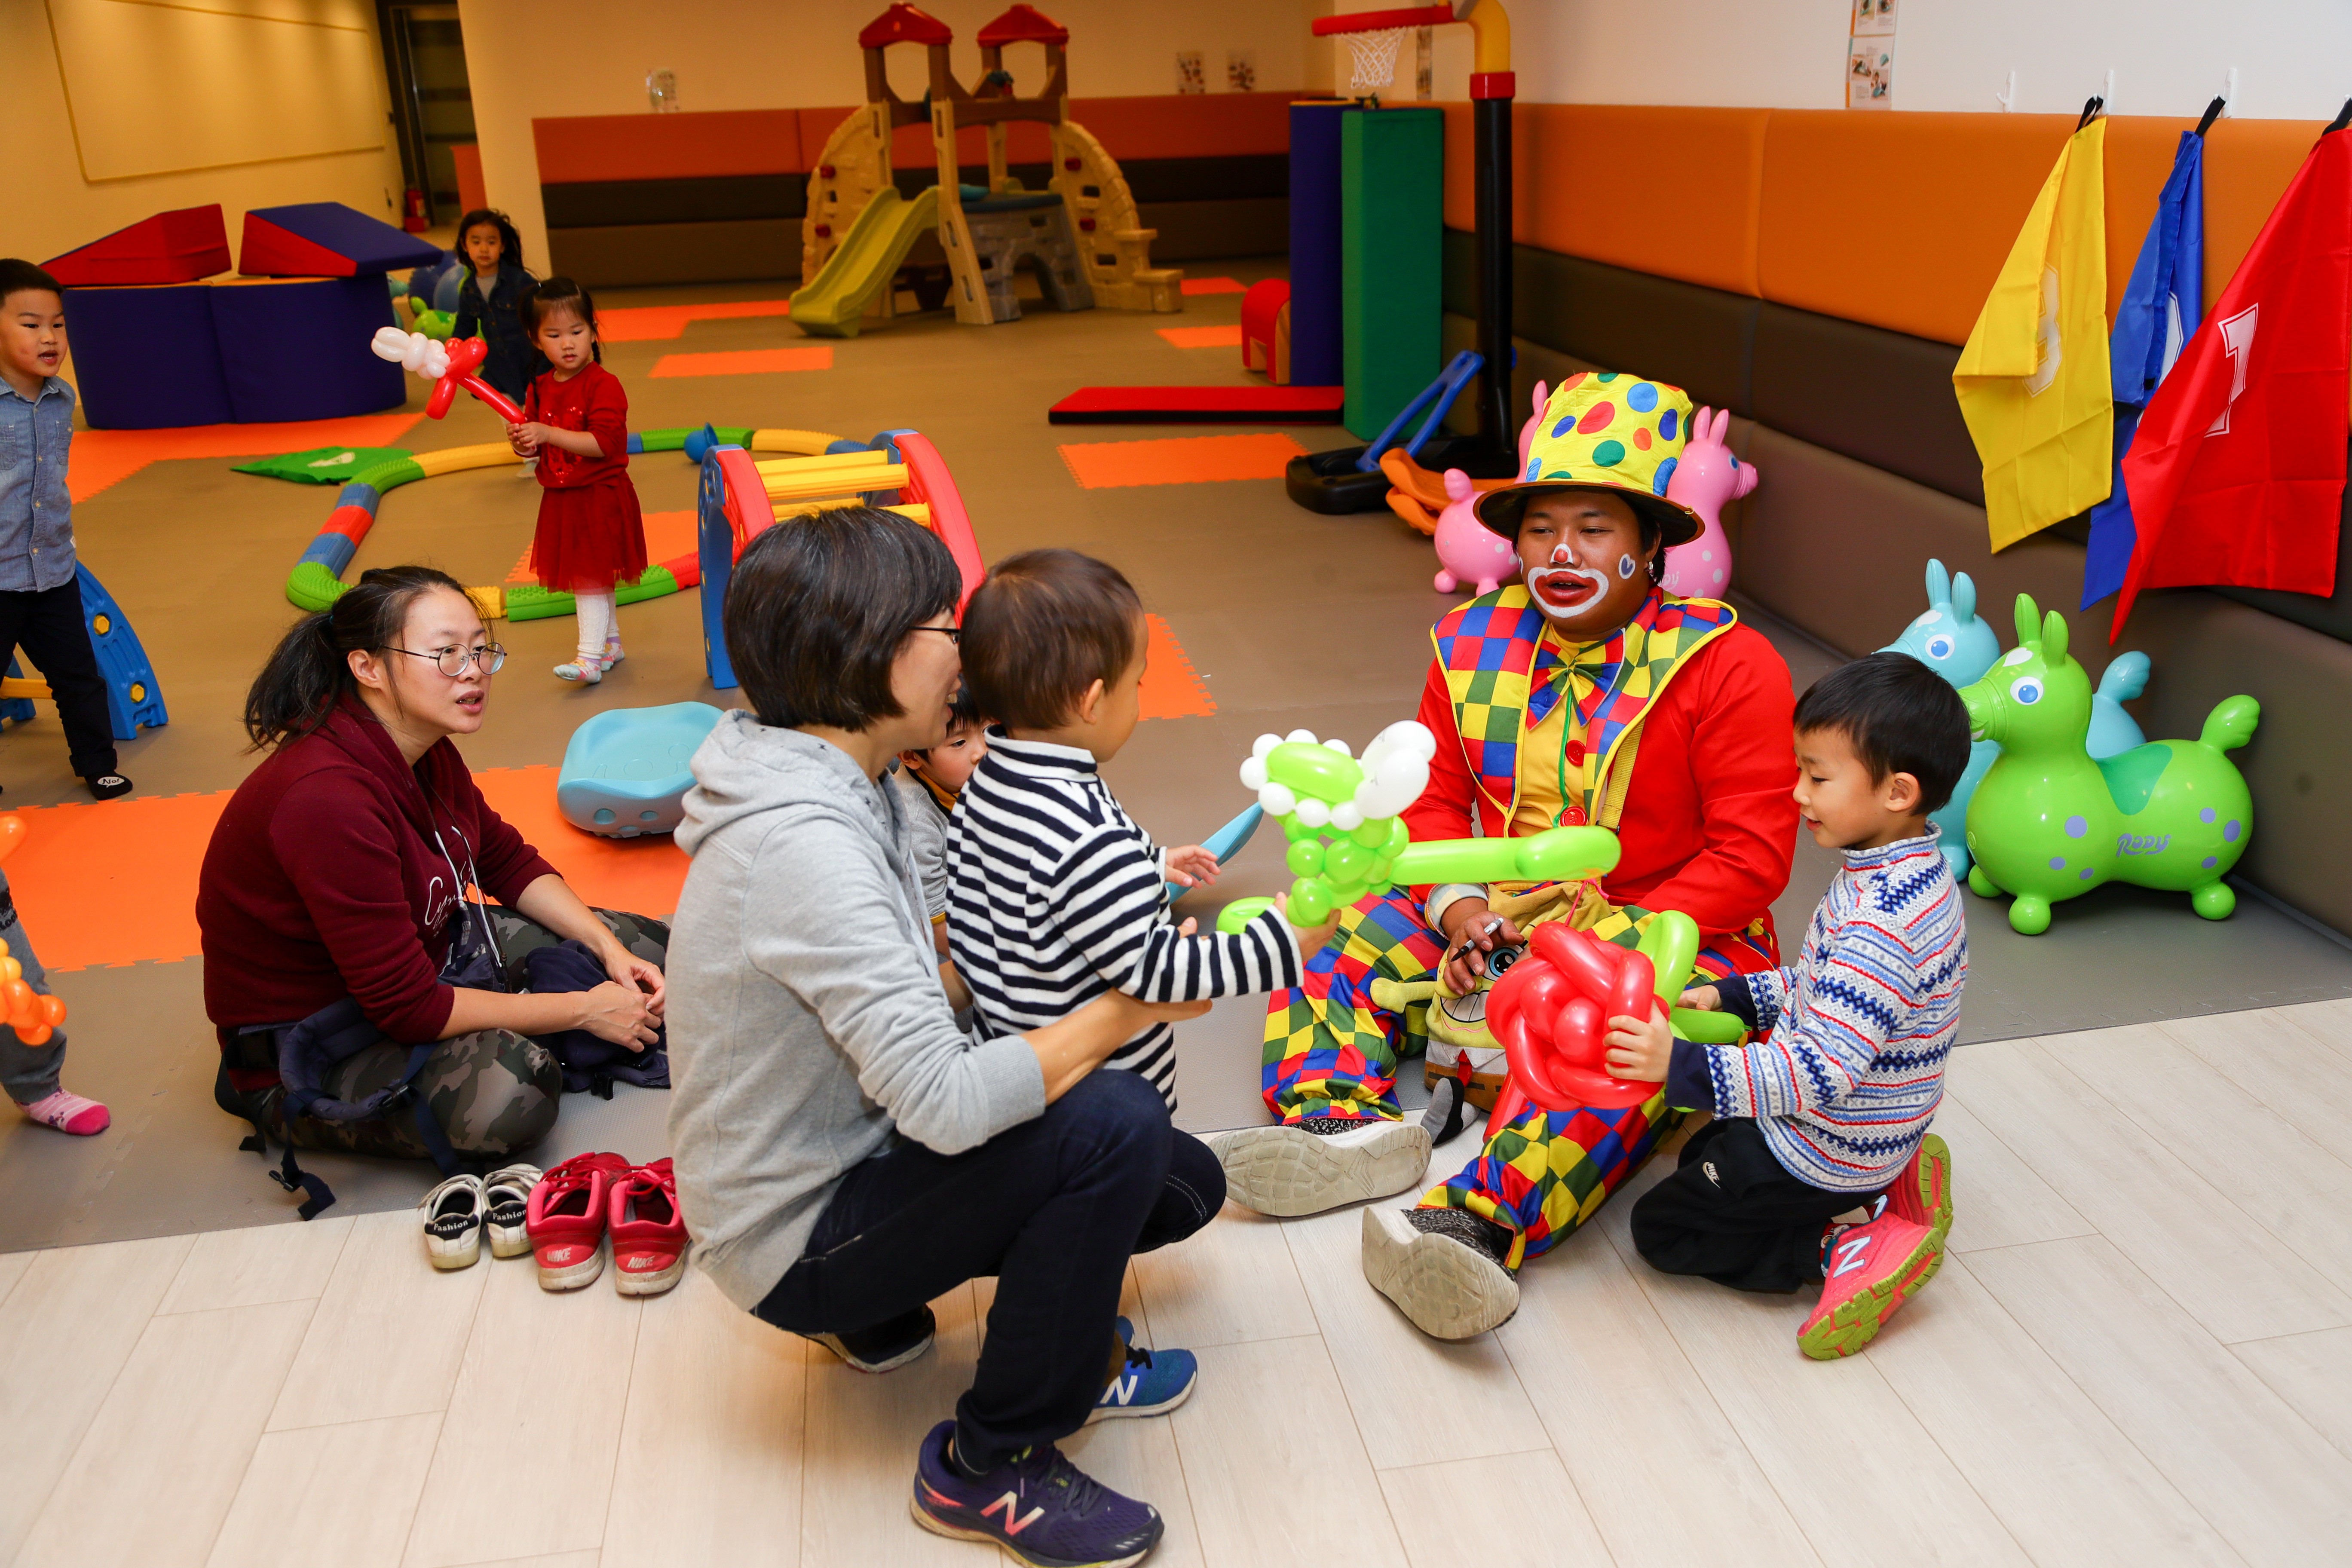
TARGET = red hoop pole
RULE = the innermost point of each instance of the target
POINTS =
(1381, 21)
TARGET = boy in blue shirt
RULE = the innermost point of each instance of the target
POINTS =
(40, 597)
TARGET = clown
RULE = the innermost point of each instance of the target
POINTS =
(1585, 694)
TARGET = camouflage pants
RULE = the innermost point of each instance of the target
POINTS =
(494, 1093)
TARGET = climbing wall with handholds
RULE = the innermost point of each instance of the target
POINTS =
(133, 696)
(1112, 240)
(855, 164)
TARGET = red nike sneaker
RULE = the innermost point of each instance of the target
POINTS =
(1873, 1269)
(648, 1233)
(1923, 1192)
(566, 1217)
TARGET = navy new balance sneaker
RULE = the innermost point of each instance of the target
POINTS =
(1152, 1383)
(1038, 1506)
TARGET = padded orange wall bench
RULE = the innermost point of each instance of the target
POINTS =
(1897, 220)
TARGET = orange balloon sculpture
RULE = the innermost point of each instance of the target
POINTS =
(34, 1017)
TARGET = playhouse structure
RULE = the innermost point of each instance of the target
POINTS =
(1082, 235)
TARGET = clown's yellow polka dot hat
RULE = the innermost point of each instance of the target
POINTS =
(1604, 430)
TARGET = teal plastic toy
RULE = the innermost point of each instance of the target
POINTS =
(1959, 645)
(2049, 823)
(626, 771)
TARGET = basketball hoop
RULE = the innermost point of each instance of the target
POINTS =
(1373, 39)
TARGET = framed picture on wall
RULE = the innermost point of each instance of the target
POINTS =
(1241, 71)
(1870, 73)
(1190, 77)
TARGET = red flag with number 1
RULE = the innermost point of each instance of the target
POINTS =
(2237, 474)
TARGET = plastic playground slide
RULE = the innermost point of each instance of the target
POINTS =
(832, 303)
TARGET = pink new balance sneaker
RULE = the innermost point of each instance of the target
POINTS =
(69, 1113)
(1872, 1270)
(1923, 1192)
(566, 1218)
(648, 1233)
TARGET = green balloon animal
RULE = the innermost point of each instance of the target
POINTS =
(2049, 824)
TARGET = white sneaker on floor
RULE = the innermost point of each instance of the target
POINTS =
(506, 1207)
(583, 669)
(1306, 1167)
(453, 1222)
(1450, 1286)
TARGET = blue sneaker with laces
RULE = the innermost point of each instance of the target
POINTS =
(1152, 1383)
(1038, 1506)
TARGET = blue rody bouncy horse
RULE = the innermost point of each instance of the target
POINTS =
(1958, 643)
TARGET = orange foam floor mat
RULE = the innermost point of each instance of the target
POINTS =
(103, 457)
(1178, 459)
(1172, 690)
(1214, 286)
(744, 362)
(1225, 337)
(654, 323)
(668, 535)
(114, 882)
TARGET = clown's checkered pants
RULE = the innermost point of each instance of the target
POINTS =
(1331, 1051)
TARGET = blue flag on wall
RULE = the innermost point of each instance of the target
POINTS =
(2161, 307)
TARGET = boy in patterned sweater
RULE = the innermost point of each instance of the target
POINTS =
(1818, 1163)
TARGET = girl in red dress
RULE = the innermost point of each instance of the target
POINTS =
(592, 537)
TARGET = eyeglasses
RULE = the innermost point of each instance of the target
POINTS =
(953, 634)
(455, 661)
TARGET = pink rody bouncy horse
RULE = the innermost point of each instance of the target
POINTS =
(1704, 476)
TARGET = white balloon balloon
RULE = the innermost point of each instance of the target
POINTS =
(1347, 816)
(1265, 744)
(1304, 737)
(1254, 772)
(1277, 799)
(1339, 745)
(1314, 813)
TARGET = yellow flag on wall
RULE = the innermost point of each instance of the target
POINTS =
(2033, 380)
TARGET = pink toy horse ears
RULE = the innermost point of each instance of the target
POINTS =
(1458, 486)
(1721, 423)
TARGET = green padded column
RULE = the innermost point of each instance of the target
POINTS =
(1391, 214)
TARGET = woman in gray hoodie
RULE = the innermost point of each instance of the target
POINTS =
(844, 1153)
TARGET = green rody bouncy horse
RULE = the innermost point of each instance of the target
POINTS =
(2049, 824)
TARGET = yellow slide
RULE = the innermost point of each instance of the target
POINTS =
(831, 304)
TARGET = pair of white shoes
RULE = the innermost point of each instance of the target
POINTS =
(463, 1210)
(588, 671)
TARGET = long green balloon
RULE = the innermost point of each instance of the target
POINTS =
(1555, 855)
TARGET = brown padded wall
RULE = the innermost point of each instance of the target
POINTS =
(1839, 549)
(1881, 396)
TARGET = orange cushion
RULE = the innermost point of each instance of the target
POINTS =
(2248, 164)
(667, 146)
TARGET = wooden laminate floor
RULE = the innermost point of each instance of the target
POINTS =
(2139, 1350)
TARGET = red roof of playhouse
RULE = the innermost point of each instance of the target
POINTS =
(903, 24)
(1022, 24)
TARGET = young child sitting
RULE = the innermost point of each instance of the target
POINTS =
(1818, 1163)
(927, 784)
(1055, 894)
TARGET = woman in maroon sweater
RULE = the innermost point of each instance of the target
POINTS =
(331, 898)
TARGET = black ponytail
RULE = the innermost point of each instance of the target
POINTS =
(311, 669)
(557, 294)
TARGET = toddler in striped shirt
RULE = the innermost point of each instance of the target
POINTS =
(1054, 894)
(1818, 1163)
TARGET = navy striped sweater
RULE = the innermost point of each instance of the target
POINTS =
(1846, 1081)
(1056, 896)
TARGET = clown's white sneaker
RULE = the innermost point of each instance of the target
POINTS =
(1305, 1167)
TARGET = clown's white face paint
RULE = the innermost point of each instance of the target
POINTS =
(1625, 564)
(1563, 585)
